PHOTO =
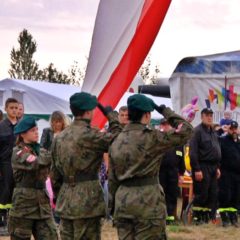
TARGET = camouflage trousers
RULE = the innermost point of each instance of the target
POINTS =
(22, 229)
(80, 229)
(132, 229)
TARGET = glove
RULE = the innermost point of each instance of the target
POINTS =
(105, 110)
(159, 108)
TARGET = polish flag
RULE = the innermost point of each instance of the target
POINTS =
(123, 35)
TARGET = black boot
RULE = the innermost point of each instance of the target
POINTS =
(206, 216)
(198, 217)
(234, 219)
(225, 219)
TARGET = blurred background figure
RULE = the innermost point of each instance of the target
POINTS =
(227, 118)
(1, 115)
(123, 115)
(20, 111)
(171, 168)
(7, 142)
(58, 122)
(229, 183)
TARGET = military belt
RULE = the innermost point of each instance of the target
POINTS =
(140, 181)
(72, 180)
(36, 185)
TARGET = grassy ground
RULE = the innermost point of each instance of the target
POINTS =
(204, 232)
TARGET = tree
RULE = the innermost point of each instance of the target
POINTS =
(146, 72)
(22, 65)
(51, 74)
(76, 74)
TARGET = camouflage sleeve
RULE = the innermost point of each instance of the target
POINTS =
(113, 184)
(55, 175)
(23, 159)
(178, 136)
(102, 140)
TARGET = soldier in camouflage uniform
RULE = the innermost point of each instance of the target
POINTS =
(135, 158)
(31, 212)
(77, 155)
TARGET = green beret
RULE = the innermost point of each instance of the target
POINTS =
(140, 102)
(24, 125)
(83, 101)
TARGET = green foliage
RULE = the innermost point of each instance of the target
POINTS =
(146, 72)
(22, 65)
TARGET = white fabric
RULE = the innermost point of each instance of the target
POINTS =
(39, 97)
(115, 26)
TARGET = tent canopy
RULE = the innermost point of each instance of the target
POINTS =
(39, 98)
(210, 64)
(214, 79)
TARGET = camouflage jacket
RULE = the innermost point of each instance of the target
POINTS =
(78, 151)
(137, 153)
(30, 198)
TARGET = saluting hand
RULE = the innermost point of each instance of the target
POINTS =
(199, 176)
(218, 173)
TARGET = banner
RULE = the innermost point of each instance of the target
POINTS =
(123, 35)
(219, 92)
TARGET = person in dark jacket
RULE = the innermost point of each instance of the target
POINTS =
(58, 122)
(205, 155)
(229, 183)
(171, 168)
(7, 142)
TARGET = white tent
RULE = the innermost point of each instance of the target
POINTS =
(39, 98)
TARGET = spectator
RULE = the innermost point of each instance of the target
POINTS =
(205, 155)
(58, 122)
(7, 142)
(229, 183)
(1, 115)
(123, 115)
(172, 165)
(20, 112)
(227, 119)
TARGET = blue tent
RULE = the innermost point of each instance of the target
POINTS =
(210, 64)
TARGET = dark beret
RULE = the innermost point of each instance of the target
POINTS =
(83, 101)
(140, 102)
(24, 125)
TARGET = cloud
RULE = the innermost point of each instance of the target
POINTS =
(69, 15)
(206, 14)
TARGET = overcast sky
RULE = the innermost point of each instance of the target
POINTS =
(63, 30)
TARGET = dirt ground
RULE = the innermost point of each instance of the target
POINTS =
(204, 232)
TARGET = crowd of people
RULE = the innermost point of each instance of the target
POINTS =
(59, 183)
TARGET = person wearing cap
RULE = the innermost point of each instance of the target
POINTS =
(172, 167)
(229, 183)
(205, 155)
(136, 198)
(7, 142)
(77, 155)
(31, 213)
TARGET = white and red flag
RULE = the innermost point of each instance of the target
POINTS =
(123, 35)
